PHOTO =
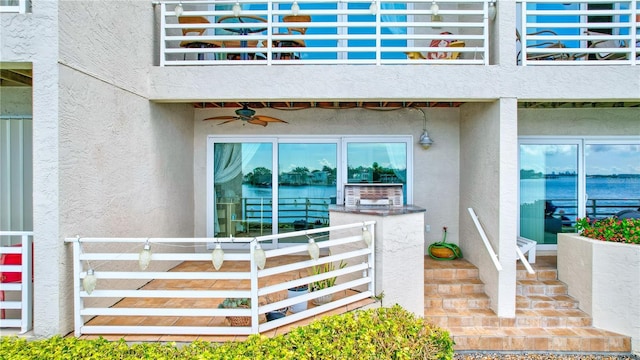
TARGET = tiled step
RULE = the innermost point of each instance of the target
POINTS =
(537, 302)
(539, 339)
(546, 318)
(456, 301)
(453, 286)
(540, 287)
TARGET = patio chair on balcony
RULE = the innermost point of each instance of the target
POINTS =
(439, 55)
(607, 44)
(196, 32)
(291, 31)
(551, 44)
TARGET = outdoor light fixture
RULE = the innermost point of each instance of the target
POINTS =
(217, 257)
(425, 140)
(178, 10)
(366, 235)
(295, 8)
(259, 256)
(145, 256)
(314, 249)
(492, 10)
(435, 10)
(89, 281)
(236, 9)
(373, 8)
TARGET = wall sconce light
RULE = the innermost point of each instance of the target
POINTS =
(425, 140)
(492, 10)
(89, 281)
(144, 258)
(295, 8)
(373, 8)
(178, 10)
(237, 9)
(435, 9)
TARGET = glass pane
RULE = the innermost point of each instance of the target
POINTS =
(242, 184)
(613, 179)
(548, 191)
(306, 186)
(377, 163)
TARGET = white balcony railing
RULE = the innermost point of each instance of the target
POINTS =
(16, 286)
(116, 275)
(588, 32)
(324, 32)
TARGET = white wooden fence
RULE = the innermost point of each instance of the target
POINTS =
(16, 245)
(359, 273)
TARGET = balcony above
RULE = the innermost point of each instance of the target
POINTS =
(270, 32)
(386, 32)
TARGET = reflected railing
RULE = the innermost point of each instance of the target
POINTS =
(269, 32)
(588, 32)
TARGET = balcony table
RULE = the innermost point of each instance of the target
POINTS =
(244, 19)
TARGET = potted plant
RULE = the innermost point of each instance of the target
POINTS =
(442, 250)
(297, 291)
(237, 303)
(277, 313)
(325, 283)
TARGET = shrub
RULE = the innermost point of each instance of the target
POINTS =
(382, 333)
(610, 229)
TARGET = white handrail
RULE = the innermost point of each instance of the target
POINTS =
(485, 240)
(524, 261)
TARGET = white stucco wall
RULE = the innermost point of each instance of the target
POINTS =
(487, 184)
(431, 167)
(604, 278)
(579, 121)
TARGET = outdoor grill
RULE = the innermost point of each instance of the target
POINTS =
(373, 195)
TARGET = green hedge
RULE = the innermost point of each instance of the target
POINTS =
(382, 333)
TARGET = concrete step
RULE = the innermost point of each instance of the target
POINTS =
(539, 274)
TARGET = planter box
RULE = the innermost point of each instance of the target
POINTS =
(605, 278)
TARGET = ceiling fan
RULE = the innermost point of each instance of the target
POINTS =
(248, 115)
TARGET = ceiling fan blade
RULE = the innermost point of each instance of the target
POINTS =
(228, 121)
(257, 122)
(268, 119)
(227, 117)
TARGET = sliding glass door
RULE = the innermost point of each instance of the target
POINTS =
(257, 182)
(562, 179)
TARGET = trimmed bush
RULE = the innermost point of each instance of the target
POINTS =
(382, 333)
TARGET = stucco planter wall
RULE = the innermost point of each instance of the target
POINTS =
(605, 278)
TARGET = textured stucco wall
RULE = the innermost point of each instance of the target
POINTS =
(575, 266)
(487, 183)
(579, 121)
(399, 259)
(435, 170)
(606, 277)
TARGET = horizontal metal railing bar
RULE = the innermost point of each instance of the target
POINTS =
(577, 25)
(16, 233)
(162, 256)
(123, 311)
(579, 12)
(302, 248)
(170, 275)
(309, 263)
(315, 311)
(10, 305)
(190, 294)
(284, 286)
(11, 323)
(167, 330)
(10, 250)
(11, 286)
(11, 268)
(153, 240)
